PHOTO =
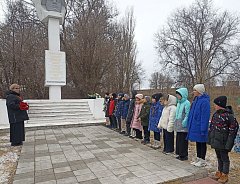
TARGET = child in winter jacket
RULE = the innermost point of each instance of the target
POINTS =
(106, 108)
(144, 118)
(167, 122)
(180, 125)
(126, 102)
(222, 132)
(155, 114)
(130, 113)
(136, 126)
(118, 110)
(198, 123)
(237, 143)
(111, 110)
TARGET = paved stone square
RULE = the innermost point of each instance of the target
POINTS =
(96, 154)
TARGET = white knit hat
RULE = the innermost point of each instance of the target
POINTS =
(200, 88)
(140, 96)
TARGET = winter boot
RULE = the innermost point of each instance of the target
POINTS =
(223, 178)
(217, 175)
(157, 145)
(154, 144)
(133, 134)
(201, 163)
(196, 160)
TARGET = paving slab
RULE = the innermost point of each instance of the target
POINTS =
(96, 154)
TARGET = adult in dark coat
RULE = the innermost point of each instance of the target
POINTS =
(17, 114)
(130, 113)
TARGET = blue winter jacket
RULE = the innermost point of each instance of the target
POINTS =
(198, 119)
(154, 116)
(125, 108)
(119, 109)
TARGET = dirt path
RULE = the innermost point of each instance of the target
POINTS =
(8, 159)
(234, 176)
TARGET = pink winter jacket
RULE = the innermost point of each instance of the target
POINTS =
(135, 122)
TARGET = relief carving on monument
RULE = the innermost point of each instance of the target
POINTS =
(54, 5)
(50, 9)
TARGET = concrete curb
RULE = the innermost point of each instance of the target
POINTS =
(43, 127)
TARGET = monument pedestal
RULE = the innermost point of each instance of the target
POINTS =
(52, 13)
(55, 93)
(55, 65)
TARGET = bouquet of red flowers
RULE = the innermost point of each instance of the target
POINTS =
(23, 106)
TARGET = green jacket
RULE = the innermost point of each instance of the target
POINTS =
(144, 114)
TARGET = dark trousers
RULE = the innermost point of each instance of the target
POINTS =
(113, 121)
(181, 144)
(223, 161)
(17, 133)
(201, 150)
(119, 123)
(146, 134)
(157, 136)
(128, 128)
(138, 133)
(168, 140)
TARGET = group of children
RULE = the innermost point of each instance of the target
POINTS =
(167, 114)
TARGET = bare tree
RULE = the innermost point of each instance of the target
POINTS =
(161, 81)
(129, 70)
(87, 42)
(101, 51)
(233, 72)
(21, 61)
(199, 42)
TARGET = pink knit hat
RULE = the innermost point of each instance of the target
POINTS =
(139, 96)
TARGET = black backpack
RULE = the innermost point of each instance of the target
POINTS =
(234, 126)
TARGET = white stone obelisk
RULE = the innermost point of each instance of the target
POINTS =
(52, 13)
(54, 45)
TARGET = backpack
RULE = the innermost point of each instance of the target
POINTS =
(234, 126)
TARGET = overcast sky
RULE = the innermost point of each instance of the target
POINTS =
(150, 16)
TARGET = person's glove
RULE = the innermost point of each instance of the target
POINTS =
(23, 106)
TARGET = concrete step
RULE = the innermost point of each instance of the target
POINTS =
(36, 103)
(48, 120)
(44, 111)
(66, 111)
(81, 122)
(57, 107)
(45, 125)
(59, 118)
(36, 111)
(60, 115)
